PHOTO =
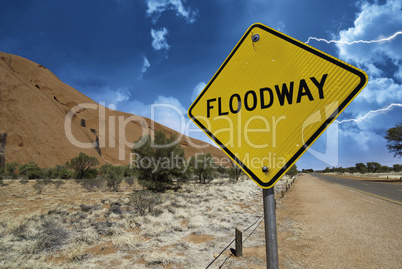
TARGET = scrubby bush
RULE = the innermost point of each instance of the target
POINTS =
(292, 171)
(50, 172)
(128, 172)
(91, 184)
(83, 166)
(113, 175)
(34, 174)
(159, 161)
(234, 172)
(202, 165)
(58, 183)
(30, 170)
(51, 236)
(130, 180)
(63, 172)
(24, 181)
(144, 201)
(38, 186)
(11, 168)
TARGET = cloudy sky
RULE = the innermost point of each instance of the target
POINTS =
(135, 54)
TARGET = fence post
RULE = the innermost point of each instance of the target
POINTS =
(239, 242)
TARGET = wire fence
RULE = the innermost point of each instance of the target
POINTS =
(259, 219)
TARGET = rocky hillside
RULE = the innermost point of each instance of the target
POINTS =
(36, 109)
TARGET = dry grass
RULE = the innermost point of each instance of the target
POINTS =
(70, 227)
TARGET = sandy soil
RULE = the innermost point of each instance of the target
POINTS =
(324, 225)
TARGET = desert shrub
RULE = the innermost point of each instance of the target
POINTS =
(14, 176)
(30, 170)
(115, 208)
(52, 235)
(63, 172)
(234, 172)
(215, 174)
(91, 184)
(144, 201)
(50, 172)
(83, 166)
(128, 172)
(58, 183)
(24, 181)
(159, 161)
(34, 174)
(292, 171)
(202, 165)
(45, 181)
(11, 168)
(89, 208)
(113, 175)
(130, 180)
(40, 185)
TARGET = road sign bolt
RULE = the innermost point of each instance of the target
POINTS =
(265, 169)
(255, 37)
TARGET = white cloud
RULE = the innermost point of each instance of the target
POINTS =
(157, 7)
(159, 41)
(112, 98)
(382, 91)
(145, 66)
(372, 23)
(169, 112)
(197, 90)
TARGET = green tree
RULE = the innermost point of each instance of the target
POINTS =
(234, 171)
(292, 171)
(373, 167)
(63, 171)
(83, 165)
(394, 140)
(113, 175)
(11, 168)
(385, 169)
(159, 161)
(397, 167)
(202, 165)
(361, 168)
(30, 170)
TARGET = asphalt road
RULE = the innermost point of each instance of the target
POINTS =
(389, 191)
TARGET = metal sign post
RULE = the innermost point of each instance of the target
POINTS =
(271, 244)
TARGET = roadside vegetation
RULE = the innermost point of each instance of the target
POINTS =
(360, 168)
(81, 214)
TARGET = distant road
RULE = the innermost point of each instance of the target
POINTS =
(391, 192)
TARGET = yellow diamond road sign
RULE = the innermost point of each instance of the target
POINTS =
(271, 99)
